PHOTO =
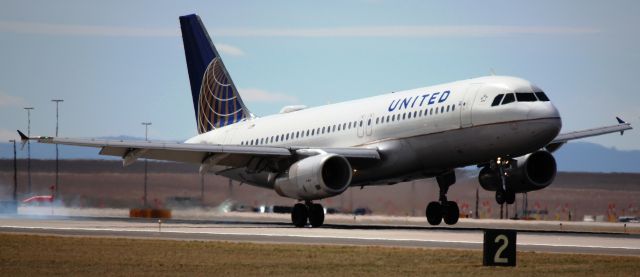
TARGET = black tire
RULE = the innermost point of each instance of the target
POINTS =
(434, 213)
(451, 213)
(510, 197)
(500, 197)
(316, 215)
(299, 215)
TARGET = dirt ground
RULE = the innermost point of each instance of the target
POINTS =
(107, 184)
(29, 255)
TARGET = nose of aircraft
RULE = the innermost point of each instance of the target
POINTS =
(549, 113)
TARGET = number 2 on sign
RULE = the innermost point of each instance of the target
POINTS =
(505, 242)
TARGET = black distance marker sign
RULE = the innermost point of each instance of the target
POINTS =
(499, 248)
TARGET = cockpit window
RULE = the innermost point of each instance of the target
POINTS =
(496, 101)
(526, 97)
(542, 96)
(508, 99)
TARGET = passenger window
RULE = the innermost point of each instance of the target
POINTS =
(447, 108)
(286, 137)
(496, 101)
(360, 123)
(281, 137)
(323, 130)
(409, 116)
(453, 107)
(526, 97)
(415, 113)
(369, 122)
(393, 118)
(508, 99)
(442, 109)
(404, 116)
(344, 126)
(431, 111)
(542, 97)
(420, 114)
(377, 119)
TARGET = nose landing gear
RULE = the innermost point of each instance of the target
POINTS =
(503, 194)
(443, 209)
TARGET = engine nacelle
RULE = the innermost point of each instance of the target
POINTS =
(315, 177)
(535, 171)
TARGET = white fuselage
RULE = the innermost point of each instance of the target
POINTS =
(419, 132)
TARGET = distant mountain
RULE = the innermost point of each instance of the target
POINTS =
(572, 157)
(591, 157)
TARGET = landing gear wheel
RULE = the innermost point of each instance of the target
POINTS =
(501, 197)
(450, 212)
(434, 213)
(299, 215)
(316, 215)
(510, 197)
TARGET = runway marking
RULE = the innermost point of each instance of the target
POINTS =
(313, 236)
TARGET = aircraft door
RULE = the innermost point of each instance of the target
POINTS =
(360, 126)
(369, 125)
(466, 107)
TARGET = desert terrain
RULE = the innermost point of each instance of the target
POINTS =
(101, 183)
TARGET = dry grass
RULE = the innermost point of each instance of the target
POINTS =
(50, 255)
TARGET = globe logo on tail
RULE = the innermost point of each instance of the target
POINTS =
(218, 103)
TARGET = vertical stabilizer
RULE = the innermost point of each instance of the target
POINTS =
(216, 100)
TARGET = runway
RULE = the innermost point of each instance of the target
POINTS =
(247, 230)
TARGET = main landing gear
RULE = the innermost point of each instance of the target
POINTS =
(307, 212)
(443, 209)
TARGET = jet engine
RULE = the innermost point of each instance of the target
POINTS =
(315, 177)
(534, 171)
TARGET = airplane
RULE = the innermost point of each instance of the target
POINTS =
(506, 126)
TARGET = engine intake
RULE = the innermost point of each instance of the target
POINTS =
(535, 171)
(315, 177)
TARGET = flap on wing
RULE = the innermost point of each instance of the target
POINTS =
(234, 155)
(591, 132)
(561, 139)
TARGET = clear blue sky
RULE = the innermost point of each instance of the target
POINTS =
(118, 63)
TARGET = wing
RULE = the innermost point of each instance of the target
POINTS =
(564, 138)
(204, 154)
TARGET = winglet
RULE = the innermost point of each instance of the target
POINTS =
(23, 139)
(620, 121)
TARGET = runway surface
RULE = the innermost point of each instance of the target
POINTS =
(247, 230)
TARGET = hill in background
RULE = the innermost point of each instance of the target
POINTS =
(572, 157)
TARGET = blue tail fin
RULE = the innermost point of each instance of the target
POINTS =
(215, 98)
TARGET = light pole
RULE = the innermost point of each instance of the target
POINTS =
(28, 149)
(57, 101)
(15, 172)
(146, 138)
